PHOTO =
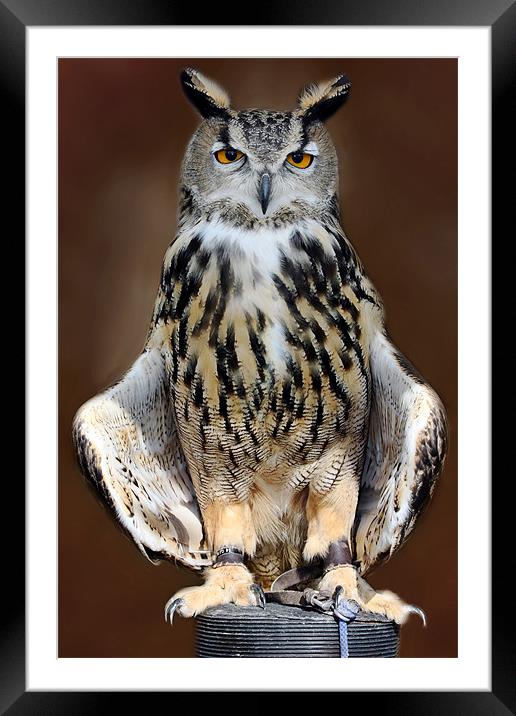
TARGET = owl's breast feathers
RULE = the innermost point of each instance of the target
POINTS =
(266, 348)
(265, 338)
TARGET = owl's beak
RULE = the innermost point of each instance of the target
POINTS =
(265, 191)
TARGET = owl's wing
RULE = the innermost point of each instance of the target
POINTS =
(128, 448)
(405, 454)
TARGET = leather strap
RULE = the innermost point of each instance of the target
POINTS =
(296, 576)
(338, 555)
(286, 597)
(293, 598)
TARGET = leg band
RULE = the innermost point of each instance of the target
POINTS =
(339, 555)
(228, 555)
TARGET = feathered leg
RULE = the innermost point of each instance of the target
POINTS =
(330, 516)
(230, 531)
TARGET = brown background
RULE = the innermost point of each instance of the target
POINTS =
(123, 127)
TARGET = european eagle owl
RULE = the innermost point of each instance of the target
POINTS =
(269, 423)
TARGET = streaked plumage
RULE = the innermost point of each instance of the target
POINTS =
(267, 383)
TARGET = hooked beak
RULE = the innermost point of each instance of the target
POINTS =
(265, 191)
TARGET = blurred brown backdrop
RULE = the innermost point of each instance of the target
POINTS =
(123, 127)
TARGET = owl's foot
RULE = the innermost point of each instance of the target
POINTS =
(338, 592)
(345, 585)
(345, 576)
(387, 603)
(224, 585)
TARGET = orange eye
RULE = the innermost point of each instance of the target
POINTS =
(300, 160)
(228, 155)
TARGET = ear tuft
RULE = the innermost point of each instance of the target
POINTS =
(319, 101)
(206, 96)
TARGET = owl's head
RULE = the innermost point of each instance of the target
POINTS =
(259, 161)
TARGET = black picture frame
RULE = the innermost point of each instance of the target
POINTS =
(15, 17)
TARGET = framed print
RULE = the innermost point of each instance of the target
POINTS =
(106, 129)
(411, 260)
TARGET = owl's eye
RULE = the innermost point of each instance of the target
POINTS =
(228, 155)
(301, 160)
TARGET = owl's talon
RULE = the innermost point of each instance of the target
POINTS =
(343, 608)
(416, 610)
(171, 607)
(337, 594)
(259, 595)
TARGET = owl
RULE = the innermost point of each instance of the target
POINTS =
(270, 429)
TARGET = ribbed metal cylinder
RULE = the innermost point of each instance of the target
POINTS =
(284, 631)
